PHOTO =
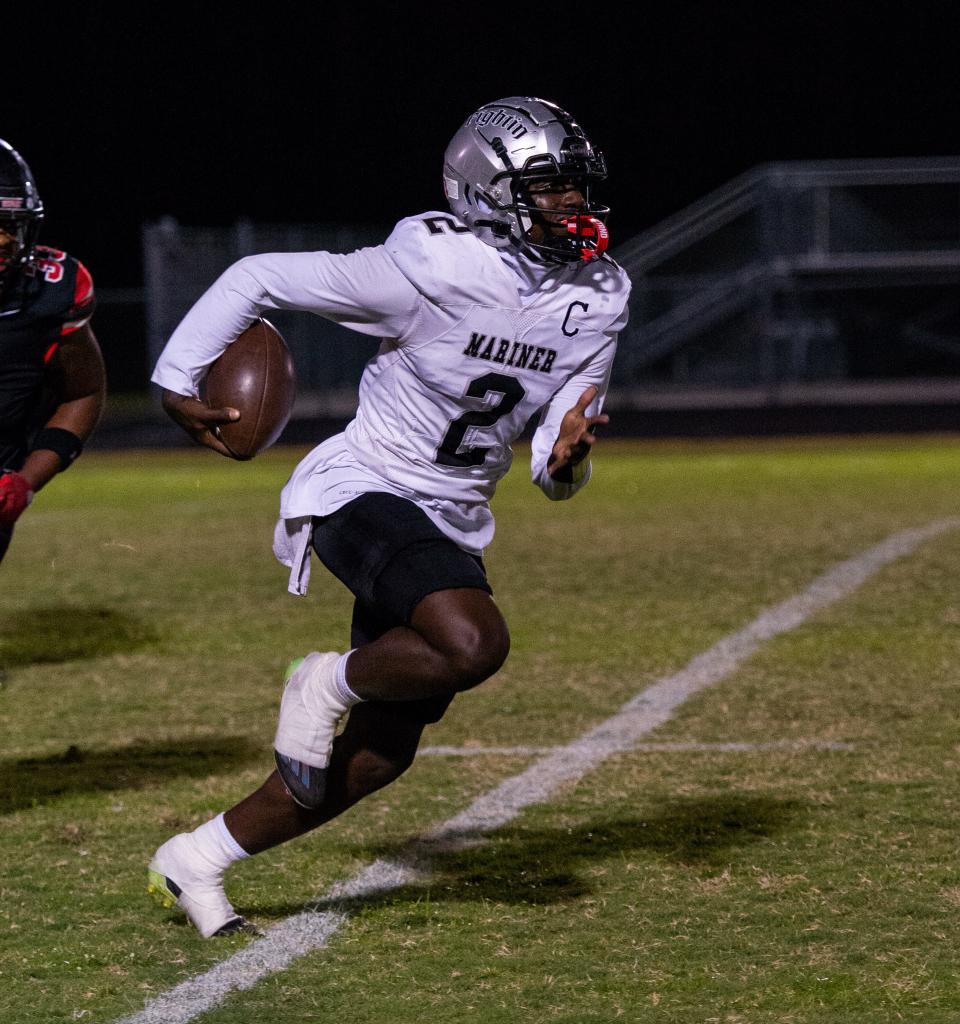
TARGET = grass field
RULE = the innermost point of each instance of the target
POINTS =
(144, 626)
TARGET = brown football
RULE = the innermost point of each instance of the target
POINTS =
(256, 376)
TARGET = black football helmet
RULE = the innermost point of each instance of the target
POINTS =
(21, 214)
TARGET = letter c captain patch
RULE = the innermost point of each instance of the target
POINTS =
(584, 306)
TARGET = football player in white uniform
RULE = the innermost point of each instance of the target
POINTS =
(504, 308)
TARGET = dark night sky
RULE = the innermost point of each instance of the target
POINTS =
(313, 113)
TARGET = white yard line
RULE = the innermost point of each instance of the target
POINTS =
(648, 748)
(303, 933)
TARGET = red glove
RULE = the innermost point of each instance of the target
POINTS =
(15, 495)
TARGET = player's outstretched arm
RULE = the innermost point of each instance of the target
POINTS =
(575, 439)
(78, 377)
(198, 420)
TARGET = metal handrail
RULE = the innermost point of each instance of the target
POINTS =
(692, 224)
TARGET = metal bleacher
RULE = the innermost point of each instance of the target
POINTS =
(804, 285)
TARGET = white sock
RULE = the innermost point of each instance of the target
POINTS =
(217, 845)
(343, 688)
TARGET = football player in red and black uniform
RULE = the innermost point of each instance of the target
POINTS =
(52, 378)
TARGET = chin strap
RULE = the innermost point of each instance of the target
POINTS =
(498, 227)
(589, 233)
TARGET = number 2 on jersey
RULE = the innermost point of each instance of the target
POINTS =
(511, 392)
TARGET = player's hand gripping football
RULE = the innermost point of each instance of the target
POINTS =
(576, 437)
(15, 495)
(198, 420)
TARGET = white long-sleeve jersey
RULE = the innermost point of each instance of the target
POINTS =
(475, 342)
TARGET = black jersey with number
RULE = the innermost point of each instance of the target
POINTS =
(57, 300)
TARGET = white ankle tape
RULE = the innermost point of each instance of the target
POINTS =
(343, 688)
(231, 845)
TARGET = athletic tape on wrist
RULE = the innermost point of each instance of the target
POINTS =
(63, 443)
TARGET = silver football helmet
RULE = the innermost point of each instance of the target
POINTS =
(499, 152)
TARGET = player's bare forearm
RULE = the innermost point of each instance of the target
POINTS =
(39, 468)
(198, 420)
(575, 439)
